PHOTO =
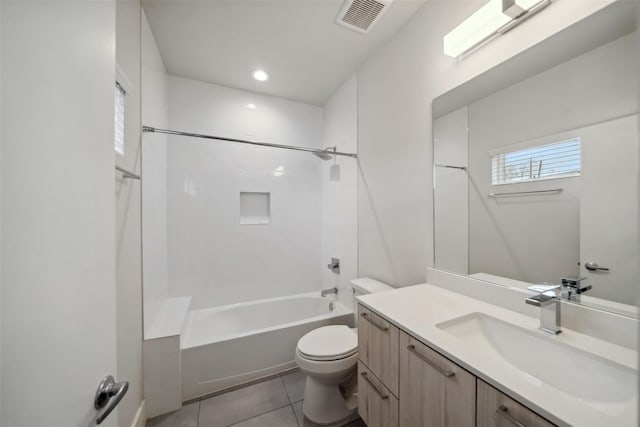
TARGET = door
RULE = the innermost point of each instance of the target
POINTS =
(58, 233)
(609, 209)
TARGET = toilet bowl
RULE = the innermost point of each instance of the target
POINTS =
(328, 356)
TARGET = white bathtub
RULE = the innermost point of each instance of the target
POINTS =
(226, 346)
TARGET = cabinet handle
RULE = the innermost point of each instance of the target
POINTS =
(503, 411)
(412, 349)
(365, 317)
(373, 386)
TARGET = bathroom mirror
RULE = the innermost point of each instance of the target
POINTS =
(536, 165)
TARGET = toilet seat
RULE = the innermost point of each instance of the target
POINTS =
(328, 343)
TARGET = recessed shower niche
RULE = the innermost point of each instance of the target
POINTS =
(255, 208)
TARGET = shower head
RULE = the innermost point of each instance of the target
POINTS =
(324, 154)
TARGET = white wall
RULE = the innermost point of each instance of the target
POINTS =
(592, 88)
(395, 89)
(58, 223)
(0, 220)
(340, 189)
(128, 233)
(637, 56)
(155, 113)
(211, 256)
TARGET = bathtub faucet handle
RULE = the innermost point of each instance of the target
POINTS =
(326, 292)
(334, 265)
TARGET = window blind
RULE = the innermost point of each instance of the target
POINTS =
(556, 160)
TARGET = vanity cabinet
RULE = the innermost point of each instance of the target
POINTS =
(433, 390)
(404, 383)
(378, 347)
(376, 405)
(496, 409)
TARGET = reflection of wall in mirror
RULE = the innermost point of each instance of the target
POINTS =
(451, 186)
(537, 238)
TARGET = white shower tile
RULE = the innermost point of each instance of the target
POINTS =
(212, 256)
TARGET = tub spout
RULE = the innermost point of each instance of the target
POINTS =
(326, 292)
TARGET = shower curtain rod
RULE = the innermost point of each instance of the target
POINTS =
(243, 141)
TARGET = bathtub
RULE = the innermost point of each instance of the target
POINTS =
(223, 347)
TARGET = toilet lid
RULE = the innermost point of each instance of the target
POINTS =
(328, 343)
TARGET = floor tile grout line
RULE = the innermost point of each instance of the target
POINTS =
(259, 415)
(239, 386)
(294, 415)
(284, 386)
(290, 402)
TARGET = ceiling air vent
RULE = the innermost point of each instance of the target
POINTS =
(361, 15)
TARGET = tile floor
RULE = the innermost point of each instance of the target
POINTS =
(273, 403)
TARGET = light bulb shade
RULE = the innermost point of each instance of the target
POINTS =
(527, 4)
(486, 22)
(476, 28)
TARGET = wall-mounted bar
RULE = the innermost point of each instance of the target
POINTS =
(462, 168)
(126, 174)
(527, 193)
(244, 141)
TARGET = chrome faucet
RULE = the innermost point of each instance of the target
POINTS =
(549, 304)
(572, 288)
(326, 292)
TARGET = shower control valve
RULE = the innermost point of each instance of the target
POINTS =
(334, 265)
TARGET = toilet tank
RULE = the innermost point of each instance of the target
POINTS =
(364, 286)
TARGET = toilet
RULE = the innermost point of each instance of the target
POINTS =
(328, 356)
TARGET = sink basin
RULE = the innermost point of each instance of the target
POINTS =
(541, 359)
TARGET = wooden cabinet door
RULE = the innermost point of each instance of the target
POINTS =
(495, 409)
(434, 392)
(378, 347)
(376, 405)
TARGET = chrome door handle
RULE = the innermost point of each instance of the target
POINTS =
(412, 349)
(503, 411)
(593, 266)
(373, 386)
(365, 317)
(108, 395)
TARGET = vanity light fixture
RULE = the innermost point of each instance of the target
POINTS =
(494, 18)
(260, 75)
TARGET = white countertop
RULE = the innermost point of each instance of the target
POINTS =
(418, 309)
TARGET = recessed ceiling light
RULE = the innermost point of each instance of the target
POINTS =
(251, 106)
(260, 75)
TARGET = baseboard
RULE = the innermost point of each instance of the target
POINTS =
(141, 415)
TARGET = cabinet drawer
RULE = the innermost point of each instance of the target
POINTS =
(378, 347)
(376, 405)
(498, 410)
(434, 391)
